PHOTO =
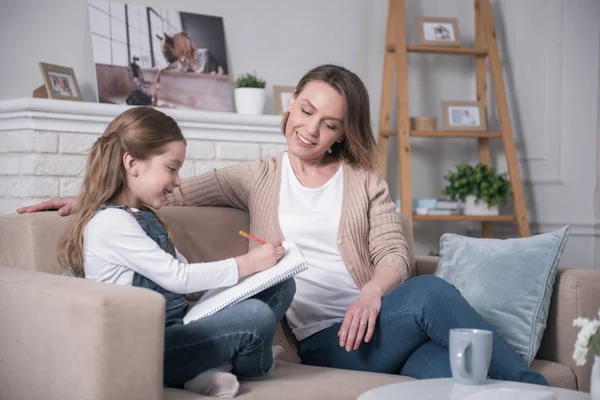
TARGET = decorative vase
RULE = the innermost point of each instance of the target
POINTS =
(595, 379)
(481, 208)
(250, 101)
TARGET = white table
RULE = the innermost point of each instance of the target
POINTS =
(446, 389)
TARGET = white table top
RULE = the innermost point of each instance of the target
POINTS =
(442, 389)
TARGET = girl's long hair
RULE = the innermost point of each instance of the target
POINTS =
(142, 132)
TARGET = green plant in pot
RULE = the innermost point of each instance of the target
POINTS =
(250, 94)
(479, 187)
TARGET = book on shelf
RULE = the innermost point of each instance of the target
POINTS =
(434, 211)
(436, 203)
(447, 204)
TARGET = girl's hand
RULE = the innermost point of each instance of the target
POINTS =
(360, 318)
(260, 258)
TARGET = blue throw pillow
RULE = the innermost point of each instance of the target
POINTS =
(509, 282)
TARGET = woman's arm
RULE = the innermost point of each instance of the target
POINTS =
(226, 187)
(389, 253)
(387, 244)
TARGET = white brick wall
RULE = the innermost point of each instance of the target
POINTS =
(36, 165)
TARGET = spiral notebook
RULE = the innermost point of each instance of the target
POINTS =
(215, 300)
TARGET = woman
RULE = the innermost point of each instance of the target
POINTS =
(355, 307)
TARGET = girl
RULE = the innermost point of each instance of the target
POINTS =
(116, 237)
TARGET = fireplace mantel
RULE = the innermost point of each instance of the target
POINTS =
(85, 117)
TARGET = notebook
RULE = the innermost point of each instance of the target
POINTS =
(214, 300)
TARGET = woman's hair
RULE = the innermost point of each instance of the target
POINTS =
(142, 132)
(359, 147)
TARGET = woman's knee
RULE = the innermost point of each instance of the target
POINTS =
(429, 283)
(422, 291)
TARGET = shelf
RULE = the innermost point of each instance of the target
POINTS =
(457, 134)
(479, 218)
(447, 50)
(449, 134)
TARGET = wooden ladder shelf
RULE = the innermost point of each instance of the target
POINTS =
(486, 47)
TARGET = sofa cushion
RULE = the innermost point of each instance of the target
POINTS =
(297, 381)
(509, 282)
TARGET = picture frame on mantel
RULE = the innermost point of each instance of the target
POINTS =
(464, 116)
(59, 83)
(281, 95)
(437, 31)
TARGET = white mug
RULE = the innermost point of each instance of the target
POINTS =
(470, 355)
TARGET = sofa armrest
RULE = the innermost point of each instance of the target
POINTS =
(576, 294)
(64, 337)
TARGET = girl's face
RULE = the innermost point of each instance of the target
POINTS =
(316, 120)
(156, 177)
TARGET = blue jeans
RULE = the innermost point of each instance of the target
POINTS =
(242, 333)
(412, 334)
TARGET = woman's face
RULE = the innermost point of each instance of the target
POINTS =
(316, 120)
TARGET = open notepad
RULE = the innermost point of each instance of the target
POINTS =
(216, 299)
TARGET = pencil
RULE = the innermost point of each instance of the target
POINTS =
(249, 236)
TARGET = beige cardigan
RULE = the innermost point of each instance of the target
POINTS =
(369, 233)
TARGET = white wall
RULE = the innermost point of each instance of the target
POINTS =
(551, 69)
(280, 40)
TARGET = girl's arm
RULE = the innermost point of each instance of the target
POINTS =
(225, 187)
(189, 296)
(117, 238)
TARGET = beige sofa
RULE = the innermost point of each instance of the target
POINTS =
(69, 338)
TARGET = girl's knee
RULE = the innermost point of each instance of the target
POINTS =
(258, 315)
(287, 290)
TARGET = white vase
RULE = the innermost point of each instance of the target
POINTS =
(481, 208)
(595, 380)
(250, 101)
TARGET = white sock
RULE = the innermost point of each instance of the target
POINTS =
(276, 350)
(217, 382)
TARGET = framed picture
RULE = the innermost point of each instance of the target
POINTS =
(159, 56)
(464, 116)
(438, 31)
(281, 95)
(59, 83)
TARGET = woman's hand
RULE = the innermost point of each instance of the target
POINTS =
(260, 258)
(361, 317)
(64, 205)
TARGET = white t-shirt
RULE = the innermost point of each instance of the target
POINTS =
(115, 246)
(310, 217)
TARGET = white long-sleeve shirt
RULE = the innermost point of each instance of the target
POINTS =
(115, 246)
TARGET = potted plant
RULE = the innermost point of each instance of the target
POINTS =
(479, 187)
(250, 94)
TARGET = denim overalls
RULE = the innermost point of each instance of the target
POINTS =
(176, 304)
(242, 333)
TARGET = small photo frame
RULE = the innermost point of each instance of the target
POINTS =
(438, 31)
(464, 116)
(59, 83)
(281, 95)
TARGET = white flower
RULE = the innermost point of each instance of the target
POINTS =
(588, 329)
